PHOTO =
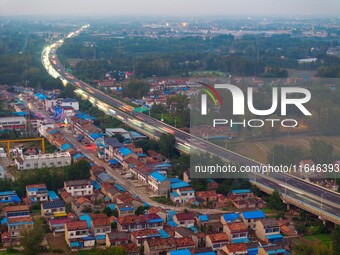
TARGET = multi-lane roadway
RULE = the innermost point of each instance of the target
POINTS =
(317, 197)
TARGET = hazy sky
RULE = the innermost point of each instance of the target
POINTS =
(171, 7)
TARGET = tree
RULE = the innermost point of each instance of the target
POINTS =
(79, 170)
(107, 210)
(136, 89)
(141, 209)
(167, 143)
(32, 238)
(285, 155)
(275, 202)
(321, 152)
(336, 240)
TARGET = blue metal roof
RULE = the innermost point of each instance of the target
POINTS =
(157, 220)
(65, 146)
(203, 218)
(206, 253)
(7, 193)
(240, 191)
(53, 131)
(240, 240)
(172, 223)
(100, 237)
(163, 233)
(86, 218)
(254, 215)
(40, 96)
(78, 156)
(120, 187)
(124, 151)
(74, 244)
(95, 136)
(4, 221)
(276, 251)
(180, 252)
(180, 184)
(112, 206)
(158, 177)
(113, 162)
(96, 185)
(174, 194)
(230, 216)
(275, 237)
(52, 195)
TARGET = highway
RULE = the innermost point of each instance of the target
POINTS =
(307, 193)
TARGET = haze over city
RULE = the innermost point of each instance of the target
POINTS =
(171, 7)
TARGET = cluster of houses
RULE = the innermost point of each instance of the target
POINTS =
(154, 231)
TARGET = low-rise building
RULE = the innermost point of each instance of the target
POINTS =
(58, 225)
(16, 211)
(271, 250)
(17, 224)
(250, 218)
(185, 219)
(125, 210)
(245, 199)
(138, 237)
(82, 205)
(12, 123)
(37, 192)
(207, 197)
(268, 230)
(116, 238)
(79, 187)
(9, 197)
(59, 159)
(182, 195)
(157, 246)
(217, 241)
(77, 235)
(158, 183)
(137, 222)
(50, 208)
(237, 232)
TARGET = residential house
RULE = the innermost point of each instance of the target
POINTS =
(158, 246)
(158, 183)
(37, 192)
(79, 187)
(268, 230)
(100, 226)
(116, 238)
(9, 197)
(237, 232)
(123, 210)
(81, 205)
(44, 160)
(217, 240)
(162, 213)
(136, 222)
(184, 243)
(17, 224)
(235, 249)
(16, 211)
(122, 154)
(111, 144)
(185, 219)
(245, 199)
(211, 222)
(77, 235)
(208, 197)
(250, 218)
(50, 208)
(138, 237)
(183, 195)
(230, 217)
(127, 198)
(110, 191)
(57, 225)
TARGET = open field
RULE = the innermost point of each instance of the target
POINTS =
(260, 150)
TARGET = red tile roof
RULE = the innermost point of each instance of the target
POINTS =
(237, 247)
(184, 216)
(130, 248)
(218, 237)
(76, 225)
(41, 185)
(16, 208)
(236, 227)
(161, 242)
(184, 242)
(20, 219)
(208, 193)
(101, 222)
(144, 233)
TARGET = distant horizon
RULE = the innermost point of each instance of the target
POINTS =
(170, 8)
